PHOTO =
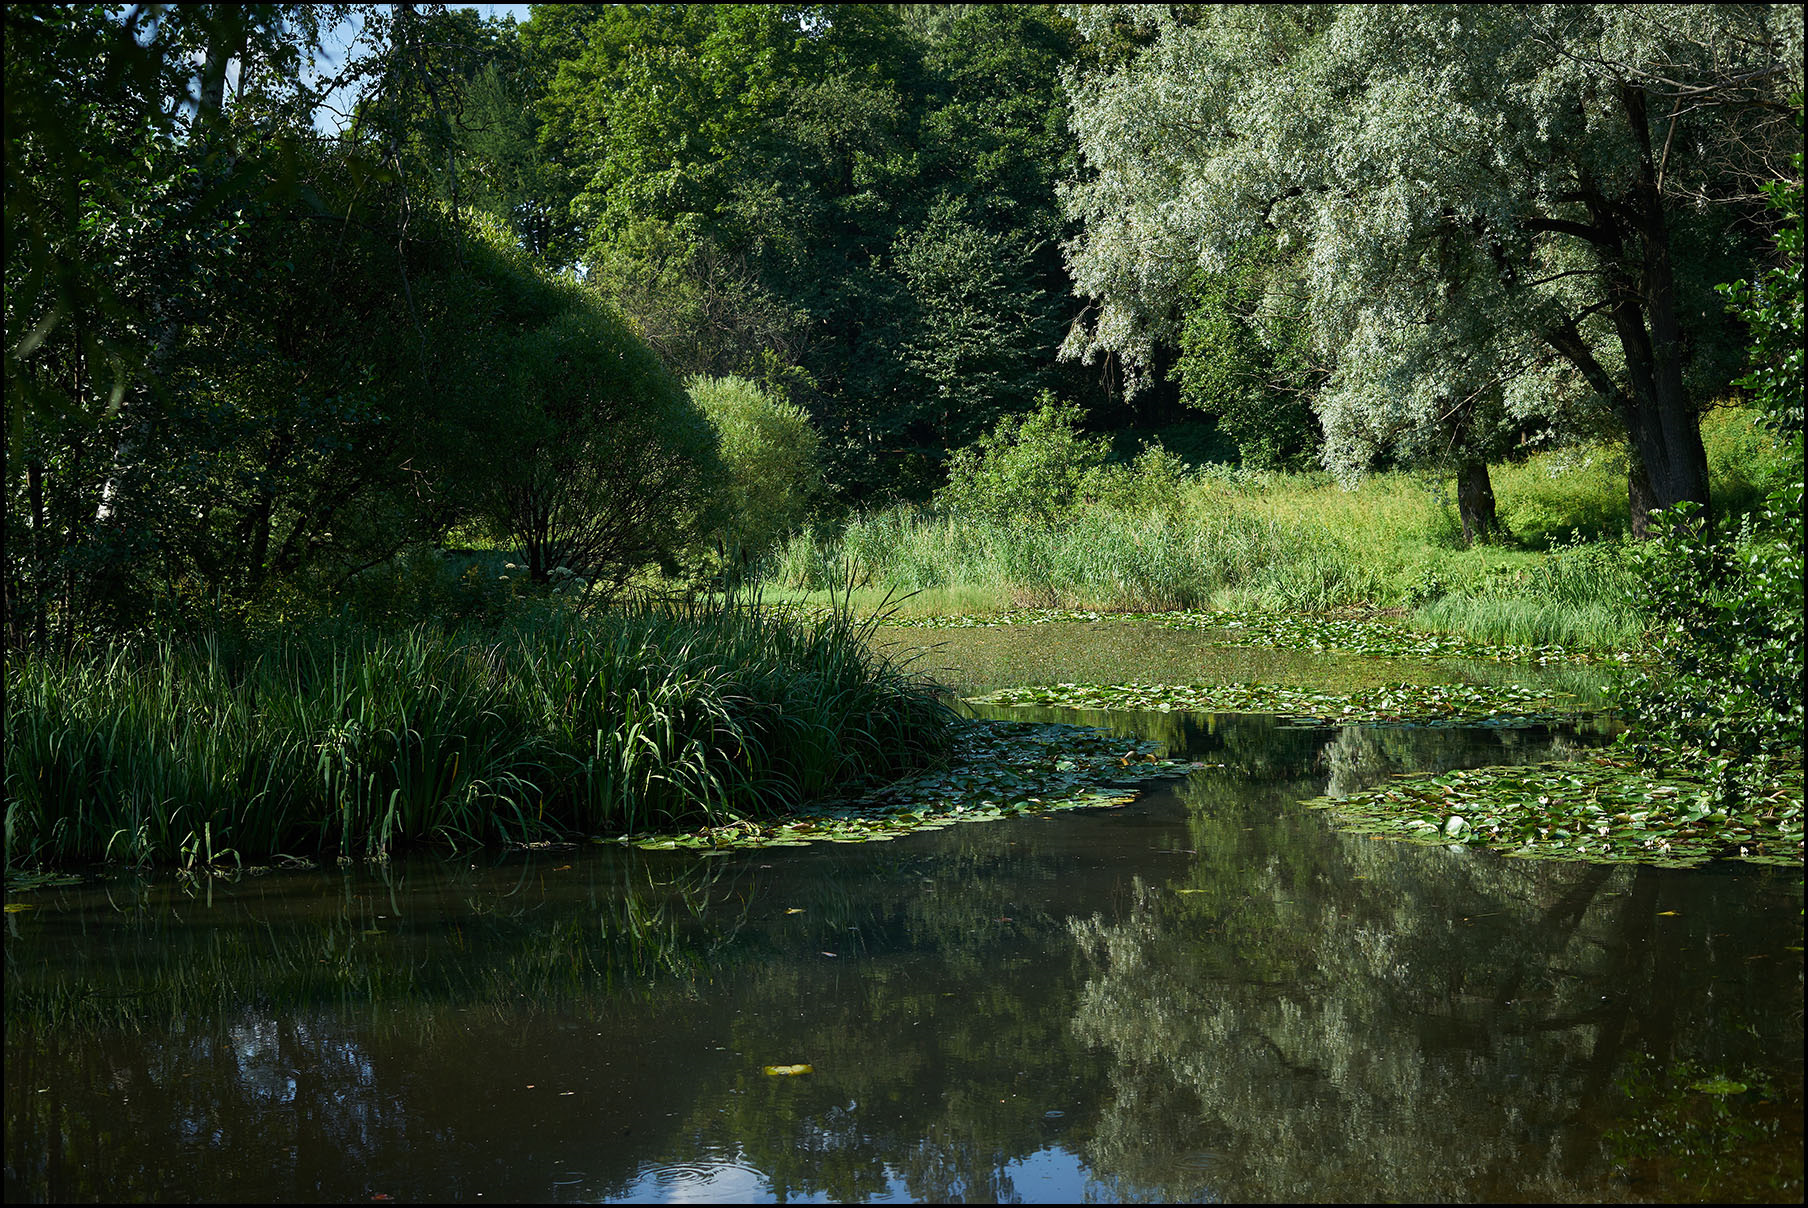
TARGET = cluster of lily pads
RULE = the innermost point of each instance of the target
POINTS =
(999, 770)
(1283, 631)
(1499, 705)
(1607, 807)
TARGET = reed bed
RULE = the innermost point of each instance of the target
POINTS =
(1257, 541)
(357, 742)
(1147, 560)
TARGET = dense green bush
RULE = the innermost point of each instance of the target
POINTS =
(772, 476)
(1031, 469)
(607, 465)
(1728, 605)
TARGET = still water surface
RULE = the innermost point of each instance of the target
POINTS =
(1207, 995)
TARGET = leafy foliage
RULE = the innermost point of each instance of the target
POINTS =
(1031, 469)
(611, 456)
(1461, 240)
(771, 477)
(1246, 360)
(1728, 606)
(858, 202)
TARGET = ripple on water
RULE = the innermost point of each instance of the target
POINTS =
(718, 1179)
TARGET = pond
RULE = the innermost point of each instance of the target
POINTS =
(975, 660)
(1208, 994)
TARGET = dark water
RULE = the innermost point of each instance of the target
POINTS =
(1207, 995)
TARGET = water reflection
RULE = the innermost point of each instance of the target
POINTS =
(1209, 994)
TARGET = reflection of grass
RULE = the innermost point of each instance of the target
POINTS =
(632, 936)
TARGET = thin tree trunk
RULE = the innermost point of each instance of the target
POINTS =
(34, 489)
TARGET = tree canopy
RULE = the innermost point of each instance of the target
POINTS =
(1507, 216)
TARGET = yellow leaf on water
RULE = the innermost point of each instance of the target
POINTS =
(17, 907)
(787, 1070)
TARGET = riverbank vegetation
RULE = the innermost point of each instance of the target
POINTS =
(1156, 535)
(370, 369)
(355, 742)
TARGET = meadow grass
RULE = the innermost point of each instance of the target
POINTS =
(1294, 542)
(354, 742)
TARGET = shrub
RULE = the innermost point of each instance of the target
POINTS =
(1030, 468)
(771, 472)
(1728, 605)
(611, 459)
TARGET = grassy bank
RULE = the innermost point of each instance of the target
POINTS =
(357, 742)
(1292, 543)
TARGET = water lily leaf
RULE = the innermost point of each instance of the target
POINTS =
(790, 1071)
(1719, 1086)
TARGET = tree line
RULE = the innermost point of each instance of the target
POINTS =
(535, 278)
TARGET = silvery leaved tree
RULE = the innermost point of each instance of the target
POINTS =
(1507, 219)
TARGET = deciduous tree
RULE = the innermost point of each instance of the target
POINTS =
(1523, 202)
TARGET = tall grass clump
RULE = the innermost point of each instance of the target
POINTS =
(1096, 558)
(355, 742)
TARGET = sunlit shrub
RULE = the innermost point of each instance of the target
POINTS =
(772, 475)
(1032, 468)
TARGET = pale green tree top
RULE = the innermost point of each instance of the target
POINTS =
(1430, 165)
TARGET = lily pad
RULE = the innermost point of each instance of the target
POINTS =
(789, 1071)
(1606, 807)
(999, 769)
(1350, 634)
(1719, 1086)
(1500, 705)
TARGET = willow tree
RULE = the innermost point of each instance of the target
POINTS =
(1508, 217)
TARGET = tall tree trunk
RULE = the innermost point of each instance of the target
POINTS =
(1475, 502)
(1664, 426)
(1640, 500)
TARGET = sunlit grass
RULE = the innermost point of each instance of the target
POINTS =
(1295, 542)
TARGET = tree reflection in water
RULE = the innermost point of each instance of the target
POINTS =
(1395, 1023)
(1209, 994)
